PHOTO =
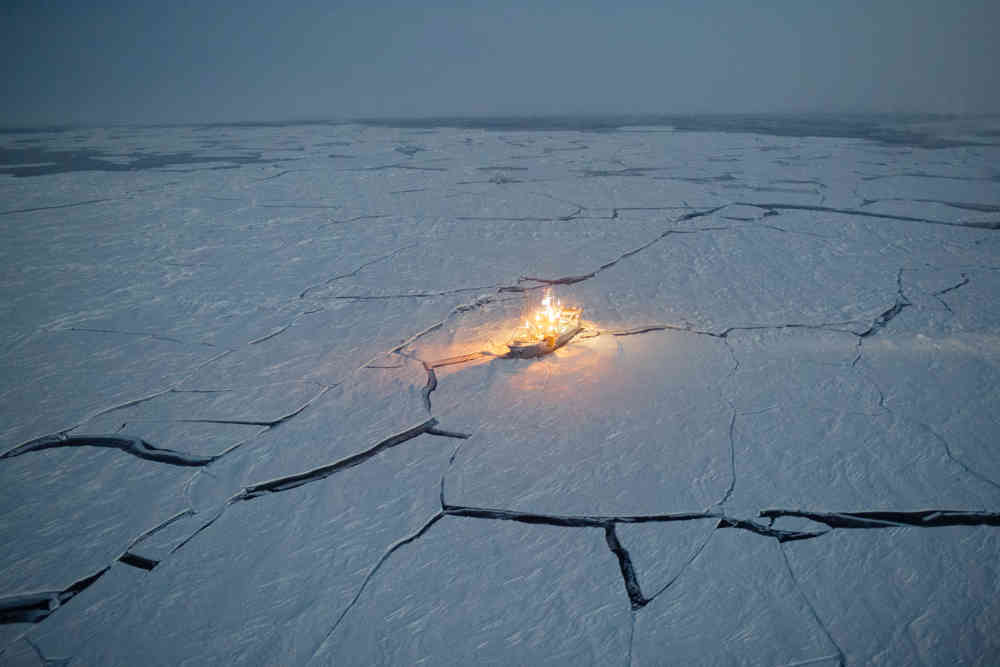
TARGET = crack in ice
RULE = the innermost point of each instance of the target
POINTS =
(135, 446)
(869, 214)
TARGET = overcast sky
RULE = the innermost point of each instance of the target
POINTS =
(179, 61)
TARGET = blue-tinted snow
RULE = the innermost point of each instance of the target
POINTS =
(802, 321)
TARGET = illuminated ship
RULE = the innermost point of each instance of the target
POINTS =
(551, 327)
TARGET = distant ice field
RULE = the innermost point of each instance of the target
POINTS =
(255, 408)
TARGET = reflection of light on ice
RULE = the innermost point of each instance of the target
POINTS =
(570, 373)
(551, 327)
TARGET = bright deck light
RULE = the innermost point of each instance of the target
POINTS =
(549, 328)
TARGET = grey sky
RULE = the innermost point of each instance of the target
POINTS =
(204, 61)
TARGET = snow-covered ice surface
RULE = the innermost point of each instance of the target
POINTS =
(253, 409)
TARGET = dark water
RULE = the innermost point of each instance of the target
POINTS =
(22, 162)
(26, 153)
(896, 129)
